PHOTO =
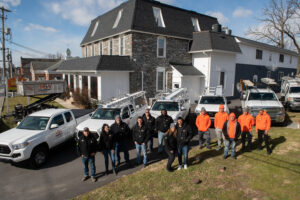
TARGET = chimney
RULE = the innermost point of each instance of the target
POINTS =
(217, 28)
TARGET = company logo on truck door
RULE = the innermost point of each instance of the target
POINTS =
(45, 86)
(58, 133)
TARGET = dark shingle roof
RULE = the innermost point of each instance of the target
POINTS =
(38, 65)
(138, 15)
(98, 63)
(208, 40)
(267, 46)
(187, 69)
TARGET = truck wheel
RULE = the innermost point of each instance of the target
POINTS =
(39, 157)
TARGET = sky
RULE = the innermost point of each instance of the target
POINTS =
(51, 26)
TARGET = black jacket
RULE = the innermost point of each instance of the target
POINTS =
(121, 132)
(184, 134)
(162, 123)
(107, 141)
(237, 131)
(171, 142)
(87, 145)
(140, 134)
(150, 124)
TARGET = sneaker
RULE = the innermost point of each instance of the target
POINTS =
(115, 172)
(179, 167)
(185, 167)
(169, 170)
(106, 172)
(93, 179)
(218, 149)
(224, 157)
(145, 165)
(85, 178)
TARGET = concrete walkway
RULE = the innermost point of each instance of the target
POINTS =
(67, 104)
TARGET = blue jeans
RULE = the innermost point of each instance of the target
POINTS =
(231, 143)
(86, 161)
(201, 139)
(107, 152)
(150, 143)
(139, 148)
(161, 136)
(124, 147)
(183, 150)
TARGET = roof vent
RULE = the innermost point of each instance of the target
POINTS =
(216, 28)
(226, 30)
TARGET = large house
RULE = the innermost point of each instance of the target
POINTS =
(170, 47)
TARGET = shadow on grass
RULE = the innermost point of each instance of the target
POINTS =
(199, 158)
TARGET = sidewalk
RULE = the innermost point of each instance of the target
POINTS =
(67, 104)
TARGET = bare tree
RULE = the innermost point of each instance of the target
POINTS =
(280, 24)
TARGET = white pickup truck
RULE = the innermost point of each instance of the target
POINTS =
(255, 99)
(38, 133)
(290, 93)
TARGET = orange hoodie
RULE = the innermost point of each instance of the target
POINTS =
(203, 122)
(246, 122)
(263, 122)
(220, 119)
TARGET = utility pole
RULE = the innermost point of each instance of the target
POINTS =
(3, 18)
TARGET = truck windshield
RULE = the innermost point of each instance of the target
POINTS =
(34, 123)
(106, 113)
(212, 100)
(295, 90)
(267, 96)
(169, 106)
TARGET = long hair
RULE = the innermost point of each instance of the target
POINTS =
(169, 132)
(103, 127)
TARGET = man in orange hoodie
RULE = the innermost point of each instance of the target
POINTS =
(203, 123)
(246, 121)
(231, 131)
(220, 118)
(263, 125)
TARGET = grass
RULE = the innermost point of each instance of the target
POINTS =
(9, 122)
(294, 116)
(254, 175)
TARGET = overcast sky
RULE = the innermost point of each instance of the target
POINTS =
(51, 26)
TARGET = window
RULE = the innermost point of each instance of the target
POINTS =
(131, 109)
(175, 85)
(160, 79)
(125, 113)
(95, 29)
(255, 78)
(281, 58)
(280, 75)
(270, 57)
(118, 18)
(100, 48)
(121, 45)
(59, 120)
(161, 47)
(195, 23)
(222, 79)
(269, 74)
(158, 17)
(291, 59)
(259, 54)
(110, 47)
(68, 116)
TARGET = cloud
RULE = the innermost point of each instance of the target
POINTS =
(220, 16)
(81, 12)
(241, 12)
(9, 3)
(47, 29)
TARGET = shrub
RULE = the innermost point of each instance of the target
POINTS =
(82, 98)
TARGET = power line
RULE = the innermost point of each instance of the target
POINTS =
(25, 53)
(28, 48)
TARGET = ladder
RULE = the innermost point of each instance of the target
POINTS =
(177, 94)
(216, 91)
(128, 98)
(268, 81)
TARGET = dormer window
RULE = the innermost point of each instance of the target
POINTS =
(95, 29)
(158, 17)
(195, 23)
(118, 18)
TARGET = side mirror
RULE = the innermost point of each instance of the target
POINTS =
(90, 114)
(228, 102)
(196, 101)
(18, 123)
(53, 126)
(183, 108)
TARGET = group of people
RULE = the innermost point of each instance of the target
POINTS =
(176, 137)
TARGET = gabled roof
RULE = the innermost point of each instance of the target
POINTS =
(187, 69)
(97, 63)
(138, 16)
(214, 41)
(265, 46)
(39, 65)
(25, 61)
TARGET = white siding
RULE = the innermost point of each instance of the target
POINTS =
(176, 78)
(195, 86)
(202, 63)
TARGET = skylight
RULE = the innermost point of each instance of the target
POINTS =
(195, 23)
(118, 18)
(158, 17)
(95, 29)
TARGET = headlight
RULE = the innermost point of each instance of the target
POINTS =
(20, 146)
(290, 99)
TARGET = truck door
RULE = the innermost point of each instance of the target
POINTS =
(126, 115)
(133, 116)
(70, 125)
(57, 130)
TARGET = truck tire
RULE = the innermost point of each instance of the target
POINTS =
(39, 157)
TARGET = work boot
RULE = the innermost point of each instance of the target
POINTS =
(219, 148)
(85, 178)
(93, 179)
(115, 172)
(185, 166)
(179, 167)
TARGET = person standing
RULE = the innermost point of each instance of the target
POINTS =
(246, 121)
(121, 132)
(150, 124)
(87, 148)
(162, 124)
(203, 123)
(263, 125)
(220, 118)
(107, 145)
(231, 131)
(171, 145)
(140, 136)
(184, 135)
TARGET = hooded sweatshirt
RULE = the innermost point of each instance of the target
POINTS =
(263, 122)
(231, 129)
(220, 118)
(246, 122)
(203, 122)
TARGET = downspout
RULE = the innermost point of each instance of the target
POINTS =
(142, 80)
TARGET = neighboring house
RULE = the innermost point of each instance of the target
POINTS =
(40, 70)
(104, 77)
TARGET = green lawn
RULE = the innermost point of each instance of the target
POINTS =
(294, 116)
(254, 175)
(9, 122)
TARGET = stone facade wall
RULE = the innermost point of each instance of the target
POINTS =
(127, 45)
